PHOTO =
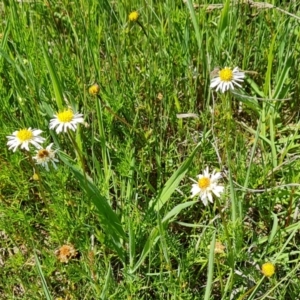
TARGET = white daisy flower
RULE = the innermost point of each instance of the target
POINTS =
(206, 185)
(23, 138)
(44, 156)
(66, 120)
(227, 79)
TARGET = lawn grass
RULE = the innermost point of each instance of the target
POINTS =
(121, 194)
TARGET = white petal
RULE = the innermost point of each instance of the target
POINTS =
(219, 189)
(204, 199)
(214, 82)
(195, 190)
(215, 177)
(36, 132)
(210, 198)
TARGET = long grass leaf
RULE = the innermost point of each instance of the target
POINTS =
(110, 222)
(155, 233)
(224, 20)
(274, 228)
(177, 209)
(12, 62)
(280, 89)
(106, 284)
(190, 6)
(55, 80)
(210, 268)
(173, 183)
(44, 283)
(151, 241)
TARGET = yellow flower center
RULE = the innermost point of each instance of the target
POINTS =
(43, 153)
(133, 16)
(268, 269)
(65, 116)
(226, 74)
(24, 135)
(204, 183)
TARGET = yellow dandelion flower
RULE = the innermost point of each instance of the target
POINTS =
(268, 269)
(94, 89)
(133, 16)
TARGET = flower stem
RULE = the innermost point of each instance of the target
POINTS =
(143, 28)
(36, 171)
(79, 153)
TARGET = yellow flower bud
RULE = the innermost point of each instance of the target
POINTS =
(94, 89)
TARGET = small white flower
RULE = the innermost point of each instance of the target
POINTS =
(66, 120)
(44, 156)
(206, 185)
(23, 138)
(227, 79)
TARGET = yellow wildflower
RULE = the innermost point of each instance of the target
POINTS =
(268, 269)
(133, 16)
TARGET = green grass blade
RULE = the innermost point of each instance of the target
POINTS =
(106, 284)
(151, 241)
(268, 76)
(224, 20)
(274, 228)
(110, 222)
(131, 244)
(190, 6)
(177, 209)
(12, 62)
(280, 89)
(55, 81)
(44, 283)
(210, 268)
(155, 233)
(173, 183)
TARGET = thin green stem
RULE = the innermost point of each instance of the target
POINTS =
(37, 172)
(78, 152)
